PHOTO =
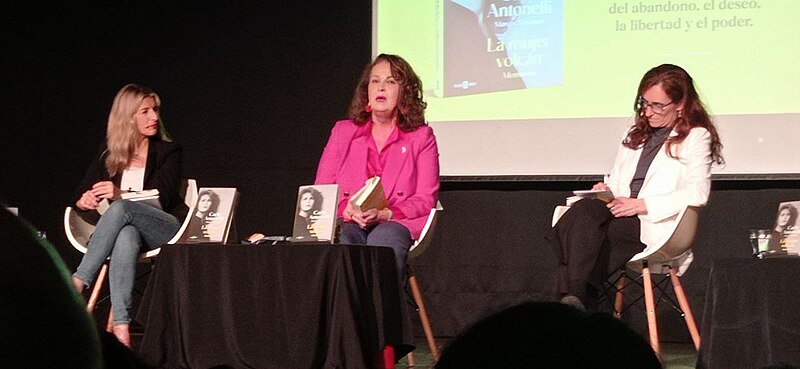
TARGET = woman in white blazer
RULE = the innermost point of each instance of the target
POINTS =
(663, 165)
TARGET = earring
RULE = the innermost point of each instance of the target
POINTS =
(680, 113)
(368, 108)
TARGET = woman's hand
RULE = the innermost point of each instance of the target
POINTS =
(369, 217)
(626, 207)
(88, 201)
(348, 212)
(600, 186)
(106, 190)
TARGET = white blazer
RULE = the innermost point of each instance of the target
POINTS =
(669, 186)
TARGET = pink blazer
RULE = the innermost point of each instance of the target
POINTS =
(410, 177)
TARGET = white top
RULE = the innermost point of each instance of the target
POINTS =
(132, 179)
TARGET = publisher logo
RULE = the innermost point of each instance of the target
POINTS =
(464, 85)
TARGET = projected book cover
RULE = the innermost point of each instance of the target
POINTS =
(500, 45)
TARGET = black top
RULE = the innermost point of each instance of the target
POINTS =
(649, 152)
(162, 172)
(303, 229)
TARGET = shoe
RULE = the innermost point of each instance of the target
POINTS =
(78, 283)
(573, 301)
(123, 334)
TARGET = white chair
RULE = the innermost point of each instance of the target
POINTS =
(79, 226)
(673, 257)
(419, 246)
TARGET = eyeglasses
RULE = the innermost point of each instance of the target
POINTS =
(657, 108)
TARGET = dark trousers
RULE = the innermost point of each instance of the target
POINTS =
(389, 234)
(590, 244)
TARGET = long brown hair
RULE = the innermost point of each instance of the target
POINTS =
(122, 134)
(410, 105)
(678, 85)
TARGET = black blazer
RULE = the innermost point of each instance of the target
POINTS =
(162, 172)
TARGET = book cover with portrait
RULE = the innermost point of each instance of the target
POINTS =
(315, 213)
(786, 232)
(499, 45)
(213, 215)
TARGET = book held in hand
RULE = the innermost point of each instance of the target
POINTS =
(315, 215)
(149, 197)
(604, 195)
(213, 215)
(370, 196)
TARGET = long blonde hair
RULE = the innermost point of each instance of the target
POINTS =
(122, 136)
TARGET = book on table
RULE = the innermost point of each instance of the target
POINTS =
(213, 215)
(315, 214)
(785, 235)
(371, 196)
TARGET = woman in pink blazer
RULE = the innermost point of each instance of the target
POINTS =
(662, 166)
(385, 136)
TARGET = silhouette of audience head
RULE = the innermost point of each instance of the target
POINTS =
(548, 335)
(44, 320)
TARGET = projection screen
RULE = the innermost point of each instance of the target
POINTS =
(547, 87)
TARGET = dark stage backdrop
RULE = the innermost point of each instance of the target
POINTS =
(489, 251)
(251, 91)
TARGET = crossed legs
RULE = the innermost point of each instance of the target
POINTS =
(121, 234)
(590, 243)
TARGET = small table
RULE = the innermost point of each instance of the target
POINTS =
(273, 306)
(752, 314)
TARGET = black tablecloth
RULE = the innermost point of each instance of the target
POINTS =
(281, 306)
(752, 314)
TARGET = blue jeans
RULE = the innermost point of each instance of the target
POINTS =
(389, 234)
(124, 231)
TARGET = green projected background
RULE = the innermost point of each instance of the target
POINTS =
(744, 55)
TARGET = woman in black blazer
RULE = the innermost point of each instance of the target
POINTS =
(137, 155)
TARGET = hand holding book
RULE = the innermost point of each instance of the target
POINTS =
(370, 196)
(149, 197)
(368, 204)
(601, 194)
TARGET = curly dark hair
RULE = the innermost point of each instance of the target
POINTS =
(213, 196)
(410, 105)
(678, 85)
(315, 194)
(792, 214)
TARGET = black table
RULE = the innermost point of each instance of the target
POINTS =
(752, 314)
(276, 306)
